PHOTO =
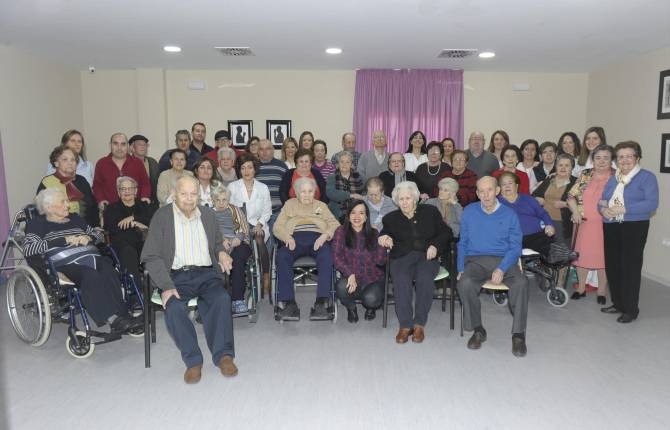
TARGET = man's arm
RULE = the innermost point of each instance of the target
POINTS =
(151, 255)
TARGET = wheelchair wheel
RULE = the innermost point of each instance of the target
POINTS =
(557, 297)
(500, 298)
(85, 348)
(28, 306)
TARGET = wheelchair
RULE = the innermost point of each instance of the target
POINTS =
(304, 271)
(35, 302)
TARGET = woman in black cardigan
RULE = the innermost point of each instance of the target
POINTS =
(415, 234)
(552, 194)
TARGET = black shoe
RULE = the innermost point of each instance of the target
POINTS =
(291, 312)
(370, 314)
(352, 315)
(626, 318)
(519, 346)
(122, 324)
(577, 295)
(478, 337)
(610, 310)
(320, 312)
(601, 300)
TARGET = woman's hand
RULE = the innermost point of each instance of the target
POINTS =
(320, 241)
(424, 197)
(71, 240)
(559, 204)
(290, 243)
(235, 242)
(226, 245)
(431, 252)
(540, 200)
(576, 217)
(549, 230)
(351, 283)
(385, 241)
(140, 225)
(126, 223)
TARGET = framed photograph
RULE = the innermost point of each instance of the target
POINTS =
(240, 131)
(664, 96)
(665, 153)
(277, 130)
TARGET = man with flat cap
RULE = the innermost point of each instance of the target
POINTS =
(139, 147)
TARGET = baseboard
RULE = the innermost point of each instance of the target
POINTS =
(658, 279)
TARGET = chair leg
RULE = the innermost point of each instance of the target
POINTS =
(444, 294)
(147, 324)
(153, 323)
(452, 305)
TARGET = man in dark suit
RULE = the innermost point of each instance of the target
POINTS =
(185, 259)
(139, 147)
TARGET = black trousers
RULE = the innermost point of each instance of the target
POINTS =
(100, 289)
(214, 307)
(538, 242)
(624, 251)
(404, 270)
(240, 255)
(129, 256)
(370, 295)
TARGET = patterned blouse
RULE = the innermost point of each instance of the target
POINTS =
(368, 266)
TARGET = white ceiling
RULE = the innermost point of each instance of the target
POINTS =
(527, 35)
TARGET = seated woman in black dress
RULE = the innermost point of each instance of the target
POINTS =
(68, 241)
(360, 260)
(127, 222)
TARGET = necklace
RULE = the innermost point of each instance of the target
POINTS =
(436, 172)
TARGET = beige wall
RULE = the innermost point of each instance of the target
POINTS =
(623, 99)
(39, 101)
(555, 103)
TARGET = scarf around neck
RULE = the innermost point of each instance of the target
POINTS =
(621, 182)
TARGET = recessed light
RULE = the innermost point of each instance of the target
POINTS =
(487, 54)
(171, 48)
(333, 51)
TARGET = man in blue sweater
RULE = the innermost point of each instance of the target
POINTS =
(488, 250)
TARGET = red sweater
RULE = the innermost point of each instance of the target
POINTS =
(524, 186)
(106, 172)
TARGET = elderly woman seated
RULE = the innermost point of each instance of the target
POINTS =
(447, 203)
(360, 260)
(65, 161)
(127, 222)
(536, 224)
(345, 184)
(235, 231)
(415, 234)
(378, 203)
(68, 241)
(305, 226)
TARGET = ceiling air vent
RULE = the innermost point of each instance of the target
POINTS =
(456, 53)
(235, 51)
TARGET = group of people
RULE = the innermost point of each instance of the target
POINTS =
(198, 211)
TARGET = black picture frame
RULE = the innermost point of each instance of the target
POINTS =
(664, 95)
(240, 136)
(665, 153)
(276, 130)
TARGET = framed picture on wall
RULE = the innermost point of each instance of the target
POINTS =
(276, 130)
(240, 131)
(665, 153)
(664, 96)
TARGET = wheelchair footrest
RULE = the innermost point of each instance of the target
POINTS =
(105, 337)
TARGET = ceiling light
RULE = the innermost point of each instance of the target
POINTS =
(487, 54)
(333, 51)
(171, 48)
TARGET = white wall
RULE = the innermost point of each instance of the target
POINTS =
(39, 101)
(623, 99)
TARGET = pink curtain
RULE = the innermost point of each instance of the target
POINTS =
(402, 101)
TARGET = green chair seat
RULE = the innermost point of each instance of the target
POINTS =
(441, 274)
(156, 299)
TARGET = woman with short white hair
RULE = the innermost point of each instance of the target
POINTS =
(226, 169)
(415, 234)
(447, 203)
(305, 225)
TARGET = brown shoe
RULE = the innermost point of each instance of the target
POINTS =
(193, 374)
(227, 366)
(418, 335)
(403, 335)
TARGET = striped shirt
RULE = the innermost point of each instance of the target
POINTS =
(270, 173)
(190, 241)
(43, 235)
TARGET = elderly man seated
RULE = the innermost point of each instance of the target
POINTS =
(185, 257)
(488, 250)
(305, 226)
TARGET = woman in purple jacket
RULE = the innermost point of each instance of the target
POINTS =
(360, 260)
(629, 199)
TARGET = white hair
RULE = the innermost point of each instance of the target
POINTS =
(449, 184)
(45, 198)
(219, 190)
(405, 186)
(301, 182)
(347, 154)
(122, 179)
(225, 150)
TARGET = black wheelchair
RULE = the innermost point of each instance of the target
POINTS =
(38, 297)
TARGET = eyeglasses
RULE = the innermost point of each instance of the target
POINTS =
(127, 189)
(626, 157)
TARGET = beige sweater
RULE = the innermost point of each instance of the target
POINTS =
(294, 213)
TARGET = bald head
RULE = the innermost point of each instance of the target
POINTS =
(186, 194)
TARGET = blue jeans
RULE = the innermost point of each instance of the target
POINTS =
(304, 246)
